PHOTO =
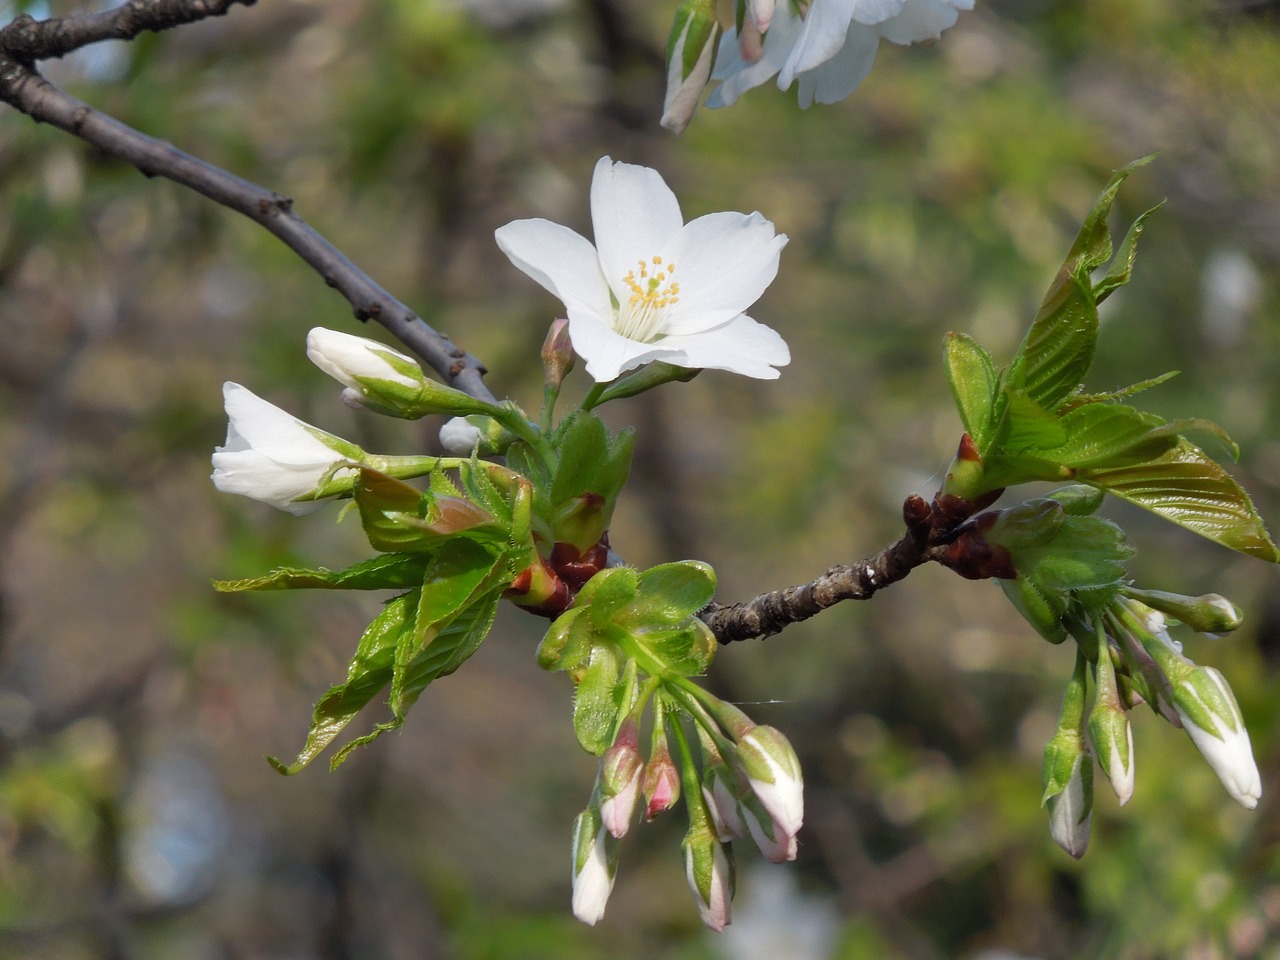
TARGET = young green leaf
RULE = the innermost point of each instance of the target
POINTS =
(457, 576)
(449, 650)
(669, 594)
(1122, 266)
(595, 703)
(975, 385)
(584, 447)
(386, 571)
(1186, 486)
(369, 672)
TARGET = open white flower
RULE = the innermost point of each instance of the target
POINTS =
(653, 287)
(830, 50)
(271, 456)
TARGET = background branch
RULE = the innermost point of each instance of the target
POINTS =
(28, 40)
(24, 89)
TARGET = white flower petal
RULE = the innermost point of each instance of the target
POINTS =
(724, 262)
(738, 75)
(593, 884)
(1070, 812)
(834, 80)
(609, 354)
(345, 357)
(562, 261)
(742, 346)
(459, 436)
(633, 216)
(269, 455)
(920, 20)
(825, 27)
(876, 11)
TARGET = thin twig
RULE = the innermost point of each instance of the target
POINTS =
(28, 40)
(24, 89)
(936, 531)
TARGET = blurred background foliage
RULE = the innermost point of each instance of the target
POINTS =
(137, 818)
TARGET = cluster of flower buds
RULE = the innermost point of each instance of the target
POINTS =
(1128, 651)
(1063, 569)
(748, 784)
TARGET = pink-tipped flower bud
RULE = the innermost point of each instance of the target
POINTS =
(557, 353)
(621, 770)
(661, 781)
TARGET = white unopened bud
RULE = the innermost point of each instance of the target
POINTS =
(1211, 717)
(1071, 811)
(594, 867)
(708, 866)
(273, 457)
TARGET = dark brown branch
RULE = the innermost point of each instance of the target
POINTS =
(25, 90)
(28, 40)
(931, 535)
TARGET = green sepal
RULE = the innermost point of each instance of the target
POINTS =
(386, 571)
(1043, 611)
(698, 17)
(596, 701)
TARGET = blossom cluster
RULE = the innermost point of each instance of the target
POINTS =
(825, 47)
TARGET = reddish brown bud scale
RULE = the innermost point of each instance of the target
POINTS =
(976, 559)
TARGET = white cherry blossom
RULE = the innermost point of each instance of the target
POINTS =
(653, 287)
